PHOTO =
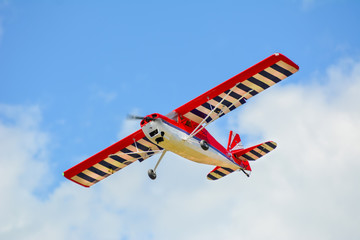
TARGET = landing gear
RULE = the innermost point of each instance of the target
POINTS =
(151, 172)
(248, 175)
(204, 145)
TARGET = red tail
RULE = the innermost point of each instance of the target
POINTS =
(234, 142)
(235, 145)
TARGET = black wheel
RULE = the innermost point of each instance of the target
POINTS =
(204, 145)
(152, 174)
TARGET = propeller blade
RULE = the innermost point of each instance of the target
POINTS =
(134, 117)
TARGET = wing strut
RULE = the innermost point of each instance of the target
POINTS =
(148, 151)
(152, 172)
(219, 112)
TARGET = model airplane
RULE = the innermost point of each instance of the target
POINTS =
(183, 132)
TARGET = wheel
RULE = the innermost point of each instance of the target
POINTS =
(204, 145)
(152, 174)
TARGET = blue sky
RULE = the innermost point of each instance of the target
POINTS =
(71, 72)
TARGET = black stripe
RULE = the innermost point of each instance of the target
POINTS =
(232, 107)
(228, 169)
(198, 113)
(258, 82)
(120, 159)
(201, 114)
(130, 153)
(270, 145)
(281, 69)
(247, 89)
(233, 94)
(208, 106)
(150, 154)
(212, 176)
(220, 173)
(224, 102)
(109, 165)
(263, 149)
(256, 153)
(237, 97)
(140, 146)
(270, 76)
(86, 177)
(217, 110)
(247, 157)
(97, 171)
(242, 101)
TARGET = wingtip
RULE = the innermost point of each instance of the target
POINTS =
(288, 60)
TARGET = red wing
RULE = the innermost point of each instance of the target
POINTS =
(237, 90)
(119, 155)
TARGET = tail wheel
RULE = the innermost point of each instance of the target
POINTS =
(204, 145)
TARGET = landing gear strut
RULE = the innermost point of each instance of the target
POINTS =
(152, 172)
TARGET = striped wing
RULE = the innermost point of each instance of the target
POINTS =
(110, 160)
(219, 172)
(237, 90)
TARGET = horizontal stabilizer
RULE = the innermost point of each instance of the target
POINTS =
(255, 152)
(234, 142)
(219, 172)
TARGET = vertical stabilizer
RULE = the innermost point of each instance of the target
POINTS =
(234, 142)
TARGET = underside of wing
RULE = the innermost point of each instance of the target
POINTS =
(110, 160)
(237, 90)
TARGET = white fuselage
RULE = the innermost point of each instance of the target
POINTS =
(176, 140)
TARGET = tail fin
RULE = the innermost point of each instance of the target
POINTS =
(234, 142)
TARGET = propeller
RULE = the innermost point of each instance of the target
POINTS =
(135, 117)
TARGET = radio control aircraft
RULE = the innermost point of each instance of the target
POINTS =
(183, 131)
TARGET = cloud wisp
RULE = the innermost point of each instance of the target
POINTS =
(307, 188)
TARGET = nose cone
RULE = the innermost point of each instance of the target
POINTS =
(148, 119)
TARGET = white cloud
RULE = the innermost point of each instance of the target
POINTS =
(316, 164)
(307, 188)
